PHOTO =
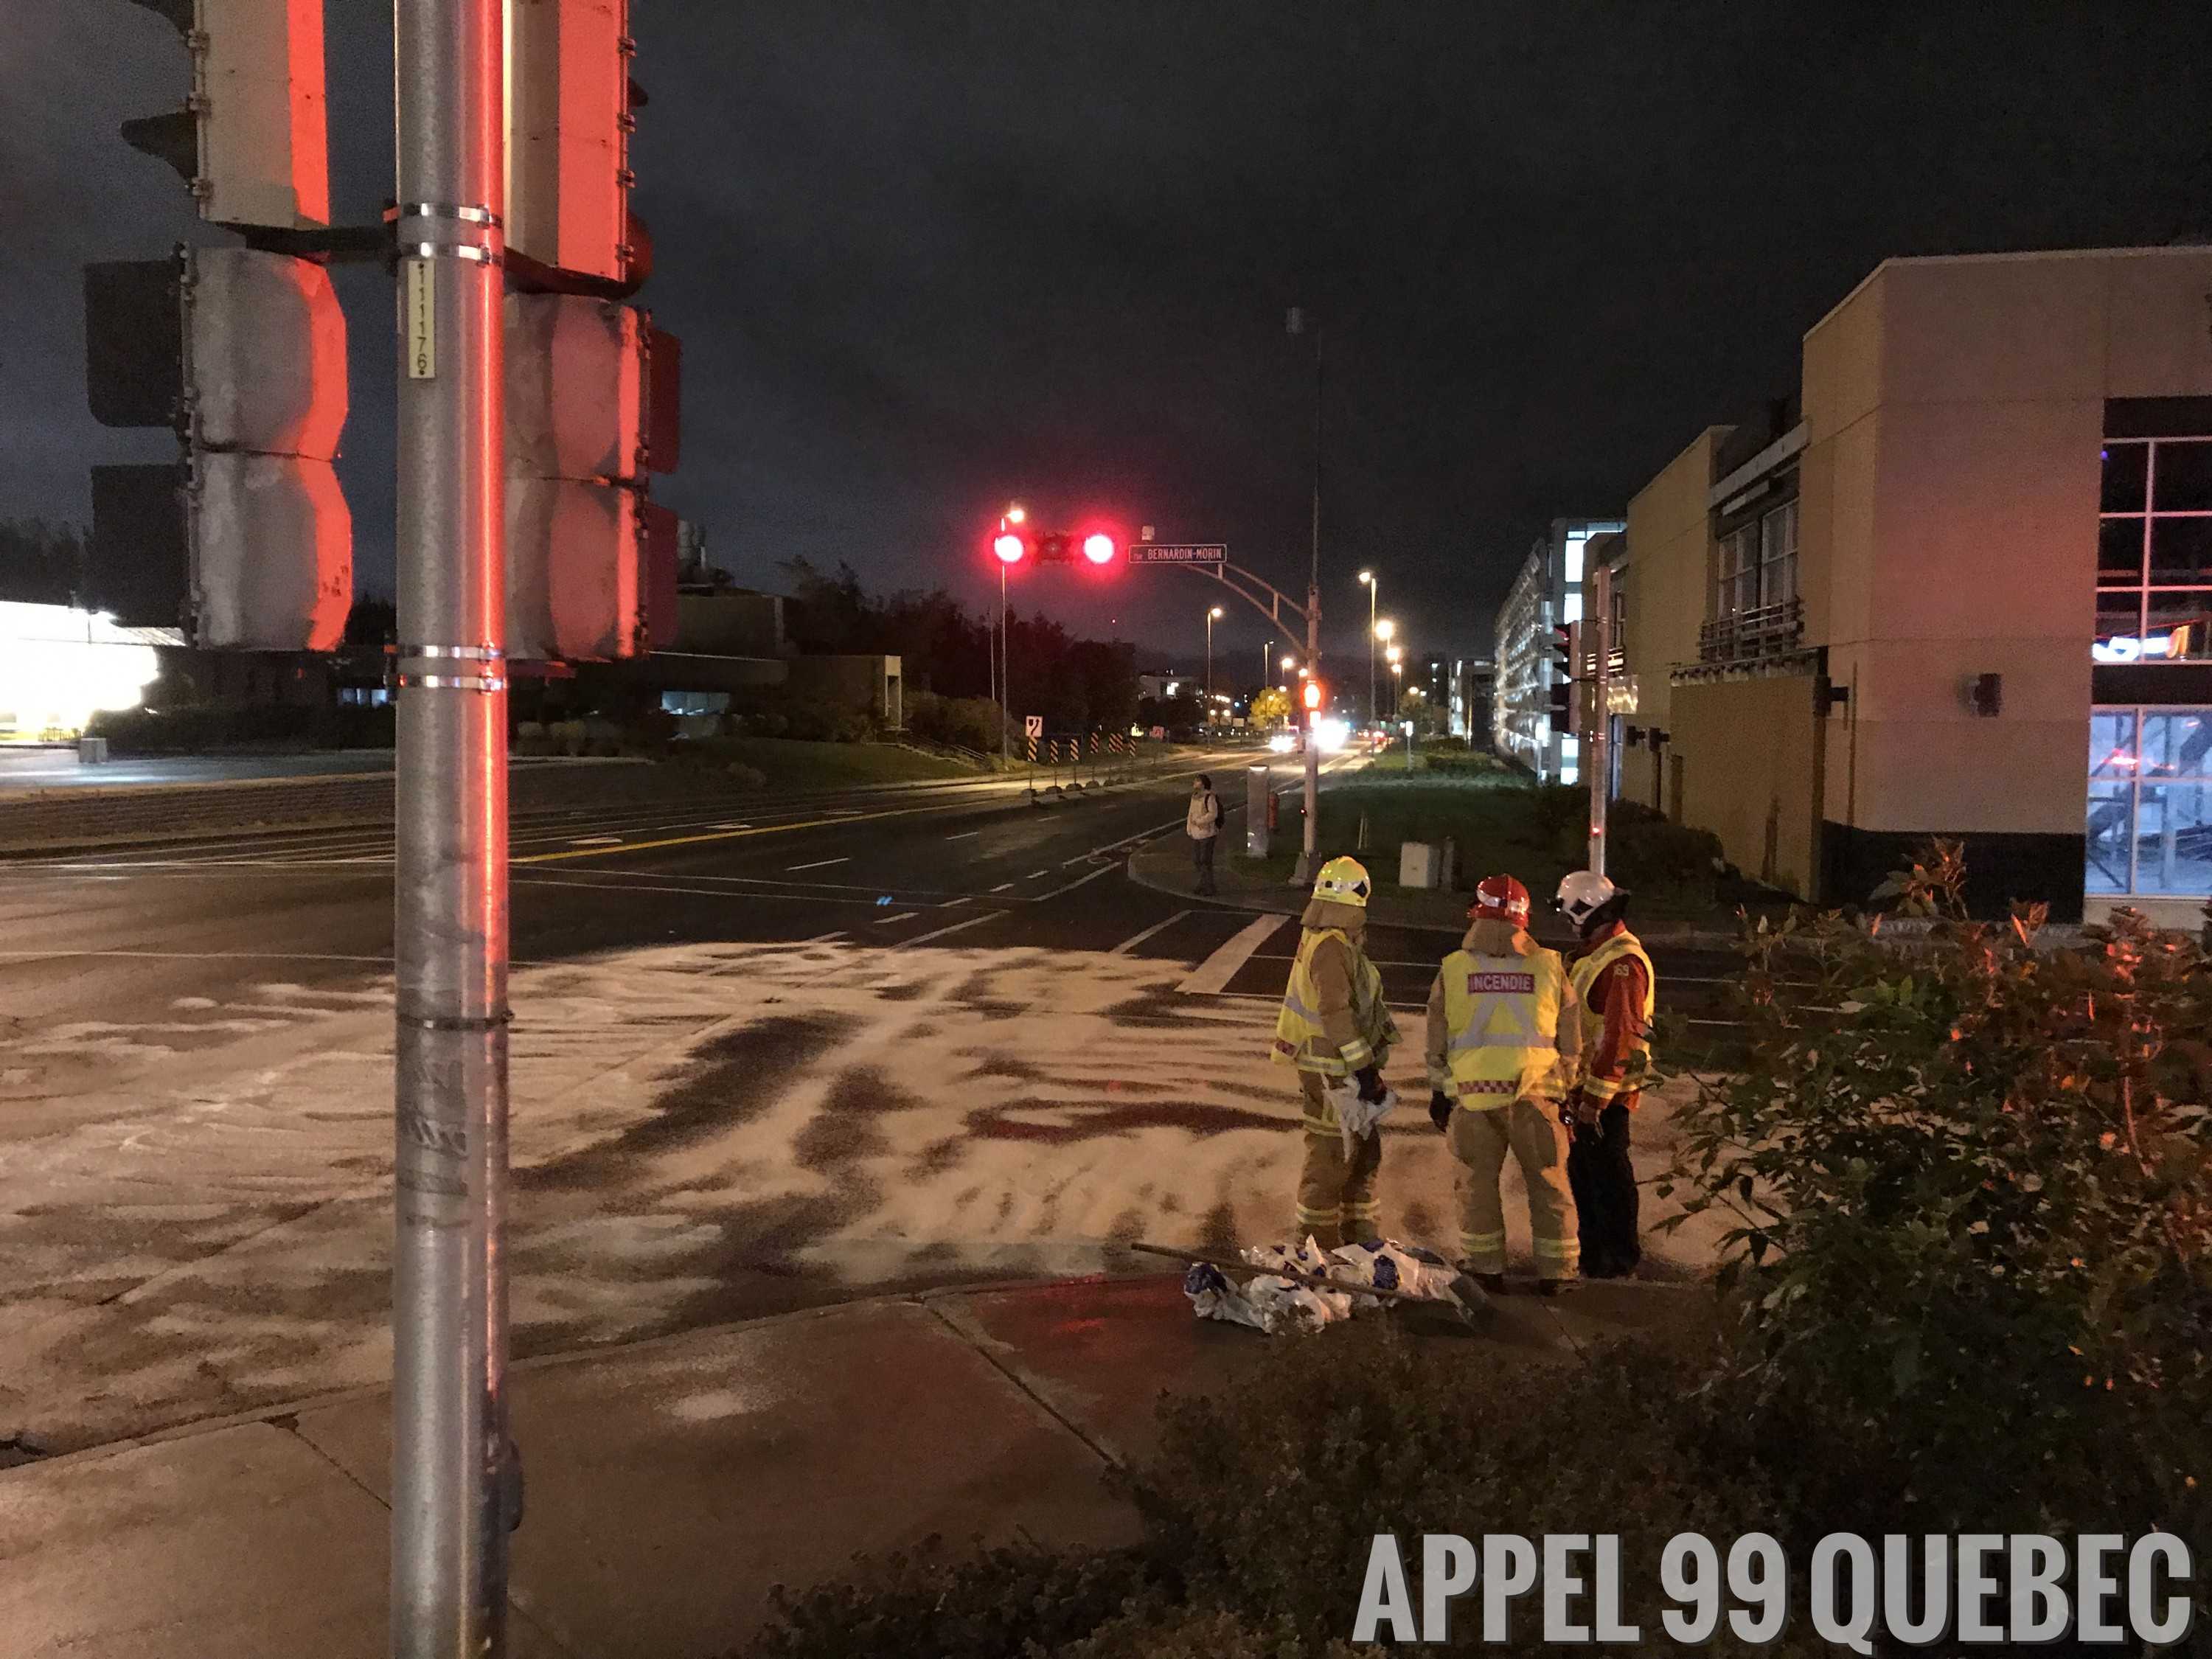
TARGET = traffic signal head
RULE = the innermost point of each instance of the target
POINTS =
(247, 540)
(1052, 548)
(569, 96)
(1010, 547)
(1314, 694)
(1098, 548)
(1567, 645)
(251, 140)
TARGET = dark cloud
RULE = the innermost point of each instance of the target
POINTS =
(926, 257)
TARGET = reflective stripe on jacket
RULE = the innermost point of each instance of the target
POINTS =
(1501, 1036)
(1334, 1020)
(1607, 1076)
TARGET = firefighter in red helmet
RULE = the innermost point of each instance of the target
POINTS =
(1503, 1041)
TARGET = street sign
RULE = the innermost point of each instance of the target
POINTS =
(1033, 724)
(1178, 553)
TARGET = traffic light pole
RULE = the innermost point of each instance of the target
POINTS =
(1597, 754)
(1308, 857)
(450, 1457)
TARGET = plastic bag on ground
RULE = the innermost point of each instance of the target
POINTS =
(1386, 1265)
(1356, 1119)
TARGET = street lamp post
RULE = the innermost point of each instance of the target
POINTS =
(1367, 580)
(1308, 857)
(1212, 617)
(1003, 662)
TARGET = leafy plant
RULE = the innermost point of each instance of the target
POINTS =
(1971, 1184)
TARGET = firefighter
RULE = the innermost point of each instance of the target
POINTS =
(1334, 1026)
(1614, 983)
(1502, 1039)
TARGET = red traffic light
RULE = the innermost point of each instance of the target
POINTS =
(1312, 696)
(1098, 548)
(1010, 548)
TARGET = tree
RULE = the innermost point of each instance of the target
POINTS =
(1272, 707)
(41, 563)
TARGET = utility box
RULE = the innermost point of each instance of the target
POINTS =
(91, 751)
(1259, 810)
(1421, 863)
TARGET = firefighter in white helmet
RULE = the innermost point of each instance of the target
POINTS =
(1334, 1026)
(1618, 990)
(1502, 1039)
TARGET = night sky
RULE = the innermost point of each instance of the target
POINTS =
(928, 258)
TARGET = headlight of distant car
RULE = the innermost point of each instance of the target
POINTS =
(1330, 734)
(1281, 743)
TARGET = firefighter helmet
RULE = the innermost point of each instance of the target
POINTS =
(1501, 898)
(1583, 894)
(1344, 881)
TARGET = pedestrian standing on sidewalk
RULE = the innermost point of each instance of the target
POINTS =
(1336, 1027)
(1502, 1040)
(1613, 981)
(1202, 824)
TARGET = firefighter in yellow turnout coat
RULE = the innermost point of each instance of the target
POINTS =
(1335, 1025)
(1504, 1036)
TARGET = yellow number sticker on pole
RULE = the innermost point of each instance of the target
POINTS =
(422, 320)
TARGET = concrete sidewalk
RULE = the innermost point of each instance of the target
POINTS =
(671, 1484)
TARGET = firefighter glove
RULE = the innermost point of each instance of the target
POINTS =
(1370, 1083)
(1440, 1109)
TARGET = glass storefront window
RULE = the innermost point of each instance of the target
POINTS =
(2155, 551)
(2149, 825)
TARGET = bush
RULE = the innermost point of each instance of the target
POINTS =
(919, 1606)
(1460, 761)
(969, 722)
(1973, 1251)
(186, 728)
(1647, 850)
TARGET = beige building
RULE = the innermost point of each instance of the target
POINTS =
(1962, 585)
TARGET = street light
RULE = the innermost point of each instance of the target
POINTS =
(1212, 617)
(1374, 588)
(1011, 548)
(1288, 662)
(1386, 630)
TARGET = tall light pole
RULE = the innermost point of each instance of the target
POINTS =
(1367, 580)
(1212, 617)
(450, 1449)
(1010, 547)
(1308, 857)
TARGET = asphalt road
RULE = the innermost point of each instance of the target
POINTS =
(760, 1061)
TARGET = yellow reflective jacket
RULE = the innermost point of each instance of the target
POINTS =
(1634, 1062)
(1333, 1021)
(1502, 1021)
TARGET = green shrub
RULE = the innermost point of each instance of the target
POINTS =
(1266, 1502)
(921, 1606)
(970, 722)
(1971, 1256)
(1647, 850)
(1559, 813)
(1461, 762)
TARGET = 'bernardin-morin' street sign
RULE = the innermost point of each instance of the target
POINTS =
(1178, 553)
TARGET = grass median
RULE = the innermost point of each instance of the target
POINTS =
(1500, 821)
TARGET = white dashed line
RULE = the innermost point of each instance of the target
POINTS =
(1135, 940)
(903, 915)
(818, 864)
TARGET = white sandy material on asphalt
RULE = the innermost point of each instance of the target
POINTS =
(194, 1214)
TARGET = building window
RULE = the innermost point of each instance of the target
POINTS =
(2155, 551)
(2149, 828)
(1778, 554)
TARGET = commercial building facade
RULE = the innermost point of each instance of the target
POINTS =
(1962, 586)
(1547, 591)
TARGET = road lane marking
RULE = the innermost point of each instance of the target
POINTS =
(1135, 940)
(1080, 881)
(1034, 874)
(194, 956)
(596, 840)
(824, 938)
(1212, 976)
(903, 915)
(964, 835)
(924, 939)
(965, 898)
(818, 864)
(1004, 887)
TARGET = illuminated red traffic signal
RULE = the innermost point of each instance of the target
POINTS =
(1010, 548)
(1313, 694)
(1098, 548)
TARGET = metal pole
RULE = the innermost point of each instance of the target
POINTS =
(1374, 714)
(1309, 858)
(450, 1447)
(1209, 666)
(1005, 669)
(1598, 755)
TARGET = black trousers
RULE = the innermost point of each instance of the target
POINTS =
(1604, 1183)
(1201, 853)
